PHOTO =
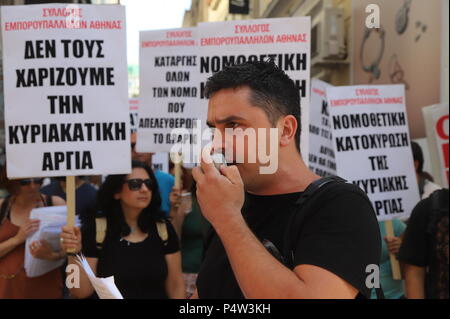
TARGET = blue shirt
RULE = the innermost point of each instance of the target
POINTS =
(393, 289)
(165, 184)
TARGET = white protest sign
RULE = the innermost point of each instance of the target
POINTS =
(372, 145)
(436, 123)
(66, 99)
(160, 161)
(134, 115)
(321, 152)
(284, 40)
(52, 219)
(168, 89)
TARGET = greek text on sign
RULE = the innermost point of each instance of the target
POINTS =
(372, 145)
(66, 104)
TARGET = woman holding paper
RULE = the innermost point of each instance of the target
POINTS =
(144, 265)
(15, 227)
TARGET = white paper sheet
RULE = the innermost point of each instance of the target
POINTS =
(105, 287)
(52, 219)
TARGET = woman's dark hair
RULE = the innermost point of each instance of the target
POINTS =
(111, 208)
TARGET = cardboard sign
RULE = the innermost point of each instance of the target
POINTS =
(286, 41)
(65, 82)
(372, 145)
(436, 123)
(168, 89)
(134, 115)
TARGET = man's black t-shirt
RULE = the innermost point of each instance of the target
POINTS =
(420, 245)
(139, 269)
(341, 236)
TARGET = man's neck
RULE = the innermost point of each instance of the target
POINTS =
(291, 176)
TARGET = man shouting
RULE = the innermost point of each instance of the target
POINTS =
(250, 210)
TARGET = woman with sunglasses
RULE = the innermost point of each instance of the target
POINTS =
(15, 227)
(143, 264)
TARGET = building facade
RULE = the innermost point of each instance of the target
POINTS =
(409, 47)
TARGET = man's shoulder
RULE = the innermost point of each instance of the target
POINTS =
(87, 191)
(337, 189)
(51, 189)
(341, 200)
(88, 187)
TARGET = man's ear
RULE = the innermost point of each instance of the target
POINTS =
(288, 126)
(117, 196)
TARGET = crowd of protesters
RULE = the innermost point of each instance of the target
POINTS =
(155, 238)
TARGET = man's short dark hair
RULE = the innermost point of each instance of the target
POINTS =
(272, 89)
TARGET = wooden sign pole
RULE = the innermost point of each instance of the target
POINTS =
(177, 170)
(395, 265)
(70, 196)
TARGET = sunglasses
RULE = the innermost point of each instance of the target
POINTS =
(135, 184)
(28, 181)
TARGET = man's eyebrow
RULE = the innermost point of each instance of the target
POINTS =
(227, 119)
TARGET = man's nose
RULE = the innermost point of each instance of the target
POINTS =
(218, 142)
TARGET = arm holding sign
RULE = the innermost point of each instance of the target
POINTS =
(258, 273)
(71, 239)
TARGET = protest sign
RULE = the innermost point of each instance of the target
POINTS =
(286, 41)
(134, 115)
(168, 101)
(160, 161)
(372, 146)
(66, 103)
(321, 150)
(373, 149)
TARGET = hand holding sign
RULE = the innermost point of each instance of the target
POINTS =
(71, 239)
